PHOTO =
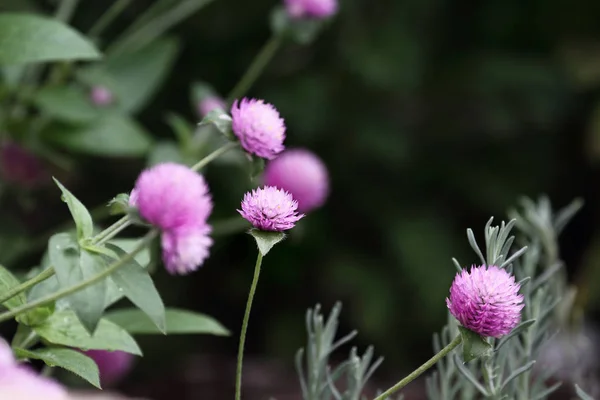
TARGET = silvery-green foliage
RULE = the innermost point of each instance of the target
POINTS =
(537, 266)
(318, 380)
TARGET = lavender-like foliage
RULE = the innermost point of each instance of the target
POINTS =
(507, 373)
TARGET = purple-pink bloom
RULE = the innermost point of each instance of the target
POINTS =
(101, 96)
(19, 166)
(318, 9)
(171, 195)
(18, 382)
(186, 248)
(270, 209)
(211, 103)
(259, 127)
(112, 365)
(486, 300)
(301, 173)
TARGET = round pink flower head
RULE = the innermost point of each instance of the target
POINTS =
(318, 9)
(185, 249)
(112, 365)
(301, 173)
(18, 382)
(259, 127)
(486, 300)
(171, 195)
(101, 96)
(211, 103)
(270, 209)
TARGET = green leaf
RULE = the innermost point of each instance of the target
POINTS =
(72, 266)
(136, 284)
(474, 346)
(119, 204)
(36, 316)
(142, 257)
(178, 322)
(80, 214)
(266, 240)
(7, 282)
(220, 120)
(68, 103)
(257, 166)
(27, 38)
(114, 135)
(71, 360)
(63, 328)
(166, 151)
(134, 77)
(522, 327)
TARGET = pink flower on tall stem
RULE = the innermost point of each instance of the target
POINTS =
(270, 209)
(317, 9)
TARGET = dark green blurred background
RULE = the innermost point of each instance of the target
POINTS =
(432, 115)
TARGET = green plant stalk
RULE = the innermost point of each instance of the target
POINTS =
(42, 276)
(259, 63)
(81, 285)
(240, 358)
(108, 17)
(112, 230)
(214, 155)
(428, 364)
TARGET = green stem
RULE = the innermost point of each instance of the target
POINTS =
(428, 364)
(112, 230)
(259, 63)
(212, 156)
(108, 17)
(81, 285)
(42, 276)
(238, 374)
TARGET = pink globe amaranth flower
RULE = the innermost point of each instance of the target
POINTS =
(185, 249)
(270, 209)
(18, 382)
(19, 166)
(112, 365)
(171, 195)
(259, 127)
(301, 173)
(318, 9)
(211, 103)
(486, 300)
(101, 96)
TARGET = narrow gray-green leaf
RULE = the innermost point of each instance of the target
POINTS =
(63, 328)
(522, 327)
(114, 135)
(7, 282)
(28, 38)
(136, 284)
(469, 376)
(80, 214)
(71, 360)
(266, 240)
(178, 322)
(73, 265)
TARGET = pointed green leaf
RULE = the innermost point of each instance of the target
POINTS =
(474, 346)
(136, 284)
(81, 215)
(71, 360)
(220, 120)
(522, 327)
(115, 135)
(257, 166)
(119, 204)
(73, 265)
(36, 316)
(28, 38)
(68, 103)
(7, 282)
(178, 322)
(64, 328)
(266, 240)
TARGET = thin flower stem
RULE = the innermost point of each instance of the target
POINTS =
(81, 285)
(112, 230)
(238, 374)
(428, 364)
(42, 276)
(108, 17)
(259, 63)
(214, 155)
